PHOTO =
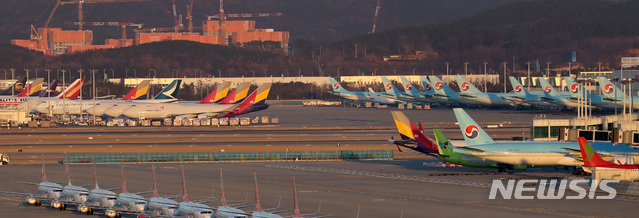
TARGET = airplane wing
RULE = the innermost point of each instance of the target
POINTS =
(28, 183)
(470, 149)
(577, 154)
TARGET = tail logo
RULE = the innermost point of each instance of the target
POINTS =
(518, 88)
(408, 87)
(471, 131)
(19, 86)
(388, 86)
(439, 86)
(465, 86)
(574, 88)
(336, 86)
(428, 87)
(548, 89)
(608, 88)
(590, 151)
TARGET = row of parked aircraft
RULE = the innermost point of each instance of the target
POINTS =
(128, 203)
(482, 151)
(437, 92)
(221, 102)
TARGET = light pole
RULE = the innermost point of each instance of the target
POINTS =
(219, 73)
(126, 74)
(36, 76)
(81, 118)
(338, 68)
(375, 72)
(13, 89)
(93, 82)
(112, 73)
(485, 75)
(25, 85)
(299, 73)
(528, 78)
(287, 74)
(548, 68)
(49, 89)
(265, 69)
(466, 67)
(505, 76)
(413, 71)
(253, 73)
(135, 74)
(155, 73)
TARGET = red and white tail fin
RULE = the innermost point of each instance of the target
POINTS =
(590, 156)
(95, 177)
(123, 181)
(66, 166)
(296, 206)
(222, 187)
(186, 197)
(155, 190)
(257, 195)
(72, 91)
(44, 175)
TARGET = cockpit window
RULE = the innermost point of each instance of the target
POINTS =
(206, 212)
(84, 194)
(111, 198)
(140, 203)
(173, 207)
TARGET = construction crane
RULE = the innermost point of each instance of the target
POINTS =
(222, 16)
(376, 14)
(189, 16)
(81, 2)
(123, 25)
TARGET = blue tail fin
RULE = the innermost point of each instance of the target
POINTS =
(518, 89)
(466, 87)
(573, 87)
(390, 88)
(337, 87)
(440, 87)
(548, 89)
(609, 90)
(409, 88)
(428, 87)
(473, 133)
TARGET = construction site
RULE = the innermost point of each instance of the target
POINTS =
(215, 30)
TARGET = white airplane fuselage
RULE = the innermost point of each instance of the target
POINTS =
(229, 212)
(190, 209)
(132, 201)
(164, 206)
(75, 193)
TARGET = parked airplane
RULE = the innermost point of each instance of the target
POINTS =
(71, 92)
(470, 92)
(592, 160)
(259, 213)
(16, 88)
(394, 93)
(615, 96)
(32, 88)
(192, 209)
(160, 205)
(577, 89)
(48, 192)
(99, 199)
(358, 96)
(412, 137)
(71, 194)
(553, 97)
(443, 92)
(415, 95)
(167, 110)
(237, 95)
(167, 95)
(481, 145)
(130, 203)
(226, 211)
(523, 96)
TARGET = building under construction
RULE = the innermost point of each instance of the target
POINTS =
(55, 41)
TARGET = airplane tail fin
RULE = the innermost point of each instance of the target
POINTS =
(609, 90)
(217, 94)
(73, 90)
(66, 167)
(32, 88)
(389, 87)
(296, 206)
(443, 145)
(337, 87)
(51, 89)
(222, 188)
(255, 102)
(518, 89)
(440, 87)
(155, 189)
(428, 87)
(257, 195)
(548, 89)
(123, 180)
(472, 132)
(185, 197)
(590, 156)
(44, 174)
(573, 87)
(95, 177)
(238, 94)
(139, 91)
(466, 87)
(17, 87)
(409, 88)
(170, 91)
(417, 140)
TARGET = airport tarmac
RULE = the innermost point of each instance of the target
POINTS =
(398, 188)
(378, 188)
